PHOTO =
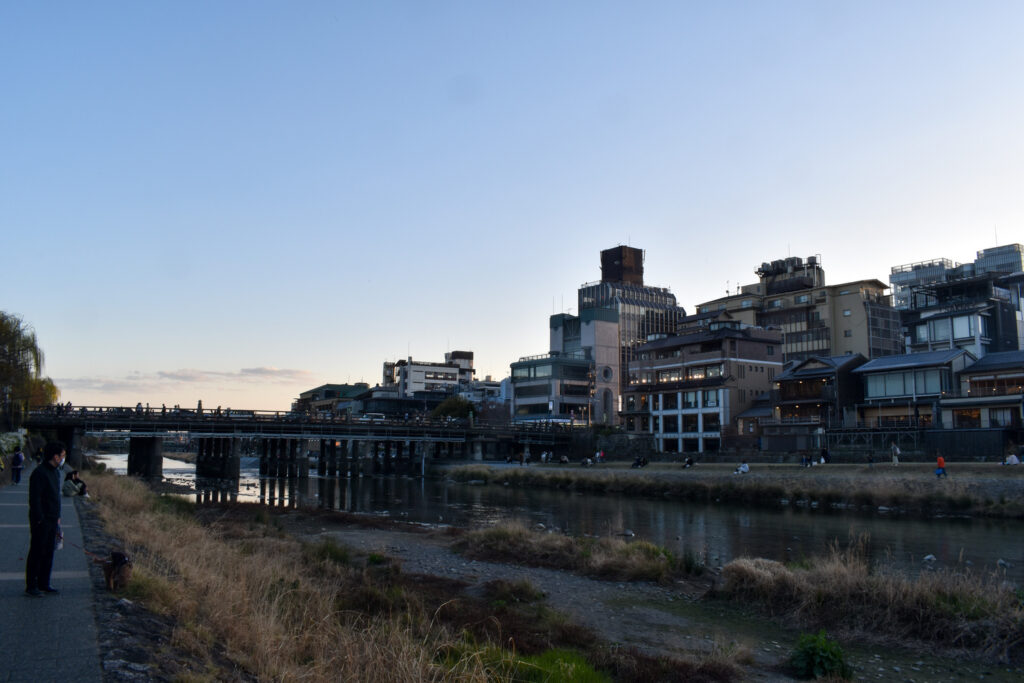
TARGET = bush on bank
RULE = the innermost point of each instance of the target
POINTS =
(839, 592)
(607, 558)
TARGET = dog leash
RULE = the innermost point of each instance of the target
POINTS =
(94, 556)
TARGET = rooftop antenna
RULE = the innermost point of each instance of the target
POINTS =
(727, 288)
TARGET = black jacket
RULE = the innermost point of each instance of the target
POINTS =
(44, 495)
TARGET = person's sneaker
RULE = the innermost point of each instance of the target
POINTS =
(33, 592)
(51, 590)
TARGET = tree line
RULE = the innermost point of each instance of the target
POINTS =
(22, 384)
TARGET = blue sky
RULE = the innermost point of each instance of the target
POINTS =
(238, 201)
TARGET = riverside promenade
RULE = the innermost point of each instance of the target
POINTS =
(52, 637)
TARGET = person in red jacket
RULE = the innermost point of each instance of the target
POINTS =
(940, 469)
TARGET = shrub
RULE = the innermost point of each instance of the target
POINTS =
(817, 656)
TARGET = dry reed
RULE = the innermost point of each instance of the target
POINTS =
(277, 612)
(610, 558)
(951, 610)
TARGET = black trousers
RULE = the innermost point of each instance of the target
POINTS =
(40, 555)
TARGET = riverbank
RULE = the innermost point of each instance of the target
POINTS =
(975, 489)
(252, 598)
(220, 574)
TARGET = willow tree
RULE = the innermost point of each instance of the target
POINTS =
(22, 385)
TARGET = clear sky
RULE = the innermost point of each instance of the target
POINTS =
(236, 201)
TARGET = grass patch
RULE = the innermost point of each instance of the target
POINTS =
(951, 610)
(607, 558)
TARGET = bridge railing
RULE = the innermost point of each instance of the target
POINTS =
(166, 416)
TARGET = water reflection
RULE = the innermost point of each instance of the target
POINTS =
(719, 534)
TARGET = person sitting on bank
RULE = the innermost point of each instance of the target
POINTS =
(744, 468)
(73, 486)
(1012, 459)
(688, 463)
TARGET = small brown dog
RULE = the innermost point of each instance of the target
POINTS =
(117, 570)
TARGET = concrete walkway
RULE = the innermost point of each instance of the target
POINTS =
(49, 638)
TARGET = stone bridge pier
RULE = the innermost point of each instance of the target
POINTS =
(217, 458)
(146, 457)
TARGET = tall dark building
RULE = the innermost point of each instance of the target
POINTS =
(623, 264)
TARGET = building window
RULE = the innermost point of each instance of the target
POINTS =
(770, 351)
(921, 333)
(847, 333)
(747, 303)
(802, 299)
(1002, 417)
(846, 313)
(963, 327)
(938, 330)
(711, 398)
(712, 422)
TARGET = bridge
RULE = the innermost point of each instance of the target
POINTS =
(283, 442)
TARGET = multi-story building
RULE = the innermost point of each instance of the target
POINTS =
(905, 390)
(553, 386)
(991, 394)
(816, 320)
(980, 314)
(588, 352)
(685, 390)
(904, 279)
(907, 278)
(410, 377)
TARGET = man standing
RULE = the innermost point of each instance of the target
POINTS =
(17, 462)
(43, 519)
(895, 450)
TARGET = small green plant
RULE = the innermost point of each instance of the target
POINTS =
(818, 656)
(328, 551)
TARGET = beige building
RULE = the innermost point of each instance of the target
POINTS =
(815, 319)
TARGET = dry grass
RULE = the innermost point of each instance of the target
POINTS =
(608, 558)
(280, 611)
(838, 592)
(984, 490)
(283, 610)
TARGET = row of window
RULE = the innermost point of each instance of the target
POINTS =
(443, 376)
(686, 424)
(707, 398)
(576, 372)
(908, 383)
(961, 327)
(696, 372)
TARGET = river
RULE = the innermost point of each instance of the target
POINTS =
(717, 533)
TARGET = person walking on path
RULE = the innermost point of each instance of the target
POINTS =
(17, 462)
(895, 454)
(44, 520)
(940, 468)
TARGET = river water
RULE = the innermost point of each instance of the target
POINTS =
(717, 533)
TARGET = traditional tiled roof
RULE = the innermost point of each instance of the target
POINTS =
(905, 361)
(1001, 360)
